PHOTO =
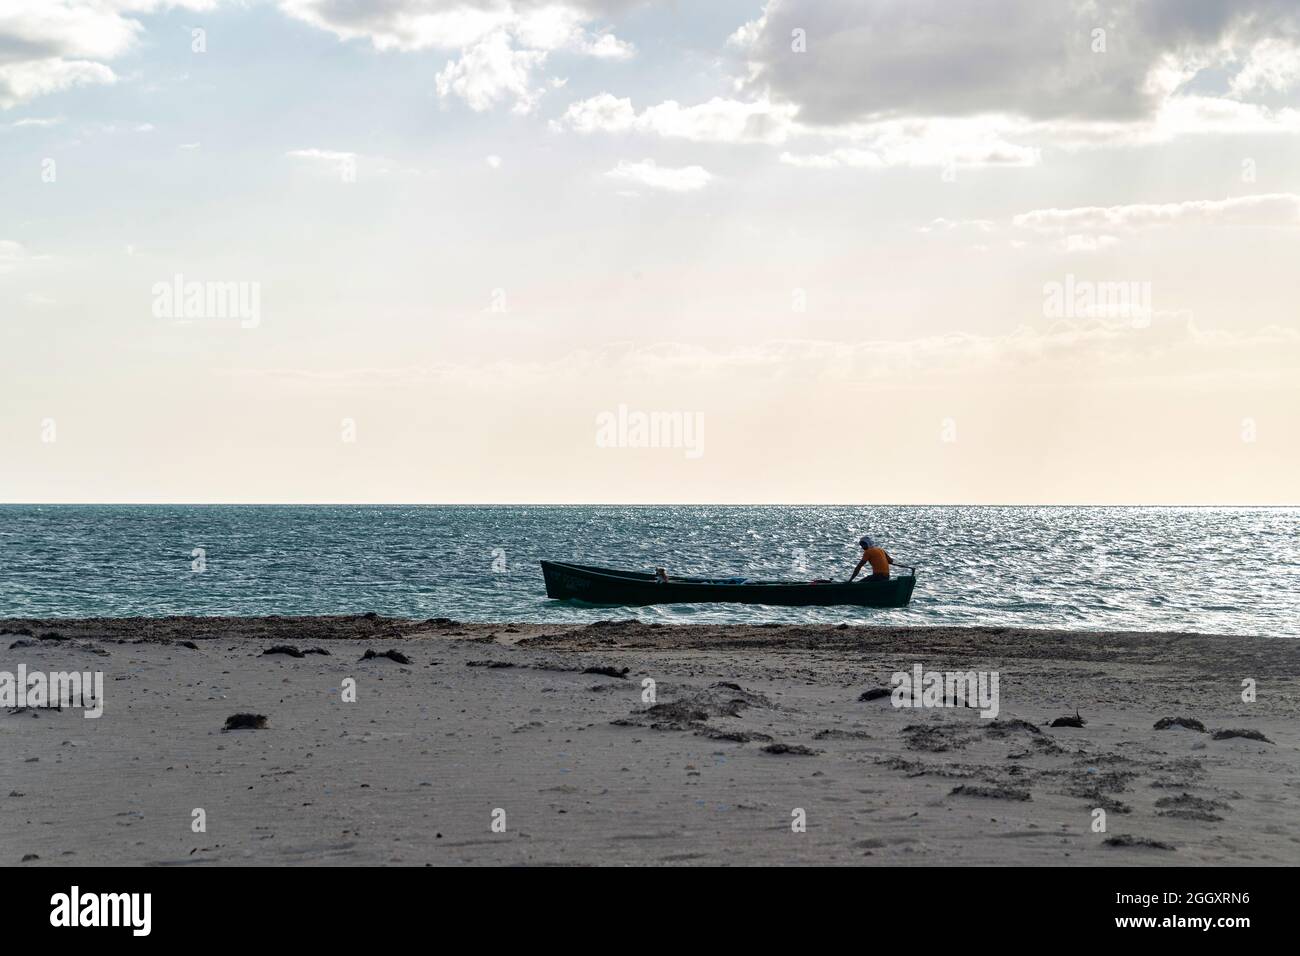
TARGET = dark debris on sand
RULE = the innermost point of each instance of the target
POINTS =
(935, 738)
(692, 710)
(996, 792)
(286, 649)
(1188, 807)
(875, 693)
(1128, 840)
(1075, 721)
(1000, 728)
(834, 733)
(245, 722)
(608, 671)
(392, 655)
(1190, 723)
(793, 750)
(732, 736)
(1247, 734)
(1108, 803)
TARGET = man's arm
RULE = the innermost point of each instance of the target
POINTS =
(858, 568)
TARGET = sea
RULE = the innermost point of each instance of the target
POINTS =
(1209, 570)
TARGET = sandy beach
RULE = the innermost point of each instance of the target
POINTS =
(551, 734)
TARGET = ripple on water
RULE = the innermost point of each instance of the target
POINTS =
(1118, 568)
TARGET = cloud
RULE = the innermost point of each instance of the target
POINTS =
(720, 120)
(648, 173)
(1272, 209)
(1171, 347)
(1085, 229)
(21, 82)
(931, 142)
(1272, 66)
(1023, 57)
(47, 46)
(1086, 243)
(327, 155)
(501, 45)
(492, 71)
(981, 85)
(609, 47)
(344, 164)
(12, 255)
(36, 122)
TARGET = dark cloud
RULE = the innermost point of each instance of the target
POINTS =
(1033, 58)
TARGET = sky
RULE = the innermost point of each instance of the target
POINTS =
(930, 251)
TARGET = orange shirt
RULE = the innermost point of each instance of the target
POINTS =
(878, 559)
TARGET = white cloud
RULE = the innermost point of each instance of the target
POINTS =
(492, 71)
(933, 142)
(12, 255)
(37, 122)
(1273, 65)
(52, 45)
(325, 155)
(962, 142)
(1086, 229)
(1086, 243)
(719, 120)
(609, 47)
(603, 113)
(845, 156)
(501, 44)
(1273, 209)
(648, 173)
(20, 82)
(1171, 346)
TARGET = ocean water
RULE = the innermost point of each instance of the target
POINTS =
(1215, 570)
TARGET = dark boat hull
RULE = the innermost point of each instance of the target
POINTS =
(576, 582)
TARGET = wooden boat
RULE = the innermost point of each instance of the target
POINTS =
(579, 582)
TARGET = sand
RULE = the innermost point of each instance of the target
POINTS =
(753, 730)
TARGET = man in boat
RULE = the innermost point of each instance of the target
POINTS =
(877, 557)
(661, 576)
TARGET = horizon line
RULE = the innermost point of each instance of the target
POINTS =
(617, 504)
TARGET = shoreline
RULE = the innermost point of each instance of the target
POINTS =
(362, 625)
(749, 725)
